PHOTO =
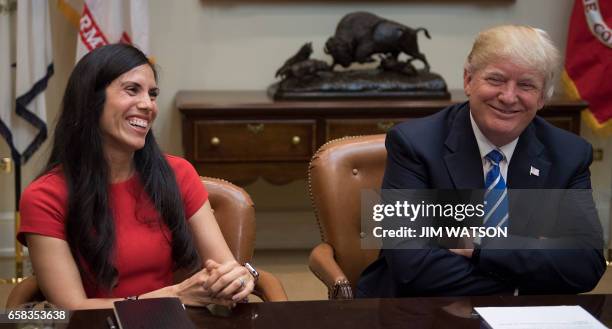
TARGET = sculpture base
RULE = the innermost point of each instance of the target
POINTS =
(351, 84)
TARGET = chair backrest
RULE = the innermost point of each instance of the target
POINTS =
(338, 172)
(234, 211)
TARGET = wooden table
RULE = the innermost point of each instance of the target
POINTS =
(243, 135)
(364, 313)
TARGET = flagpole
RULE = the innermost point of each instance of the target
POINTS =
(18, 247)
(34, 51)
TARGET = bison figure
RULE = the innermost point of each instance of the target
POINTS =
(360, 35)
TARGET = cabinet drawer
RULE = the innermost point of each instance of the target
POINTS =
(565, 123)
(336, 128)
(230, 141)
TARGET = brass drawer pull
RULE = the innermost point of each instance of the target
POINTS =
(296, 140)
(6, 165)
(255, 128)
(215, 141)
(385, 125)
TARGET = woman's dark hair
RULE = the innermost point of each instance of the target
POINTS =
(77, 152)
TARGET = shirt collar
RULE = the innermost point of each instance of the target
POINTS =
(485, 146)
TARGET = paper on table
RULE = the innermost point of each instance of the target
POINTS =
(538, 317)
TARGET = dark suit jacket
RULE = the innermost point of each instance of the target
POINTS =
(441, 152)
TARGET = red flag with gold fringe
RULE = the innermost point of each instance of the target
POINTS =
(588, 61)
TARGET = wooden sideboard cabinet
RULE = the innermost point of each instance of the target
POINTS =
(243, 135)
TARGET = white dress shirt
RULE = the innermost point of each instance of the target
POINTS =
(485, 146)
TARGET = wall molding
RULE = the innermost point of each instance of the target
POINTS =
(7, 252)
(6, 219)
(10, 252)
(7, 216)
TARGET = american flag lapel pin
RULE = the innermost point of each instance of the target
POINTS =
(534, 171)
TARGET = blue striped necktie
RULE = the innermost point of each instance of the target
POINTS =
(496, 194)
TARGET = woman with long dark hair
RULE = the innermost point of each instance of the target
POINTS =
(112, 217)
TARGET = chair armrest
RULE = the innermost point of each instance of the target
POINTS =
(26, 291)
(323, 264)
(269, 288)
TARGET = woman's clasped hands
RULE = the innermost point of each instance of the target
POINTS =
(223, 284)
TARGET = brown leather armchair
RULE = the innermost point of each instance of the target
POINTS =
(235, 213)
(337, 173)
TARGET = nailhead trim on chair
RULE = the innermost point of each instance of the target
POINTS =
(224, 181)
(341, 288)
(217, 179)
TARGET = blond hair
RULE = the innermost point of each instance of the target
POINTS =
(522, 45)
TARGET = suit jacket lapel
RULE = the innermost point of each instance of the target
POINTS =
(462, 157)
(527, 159)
